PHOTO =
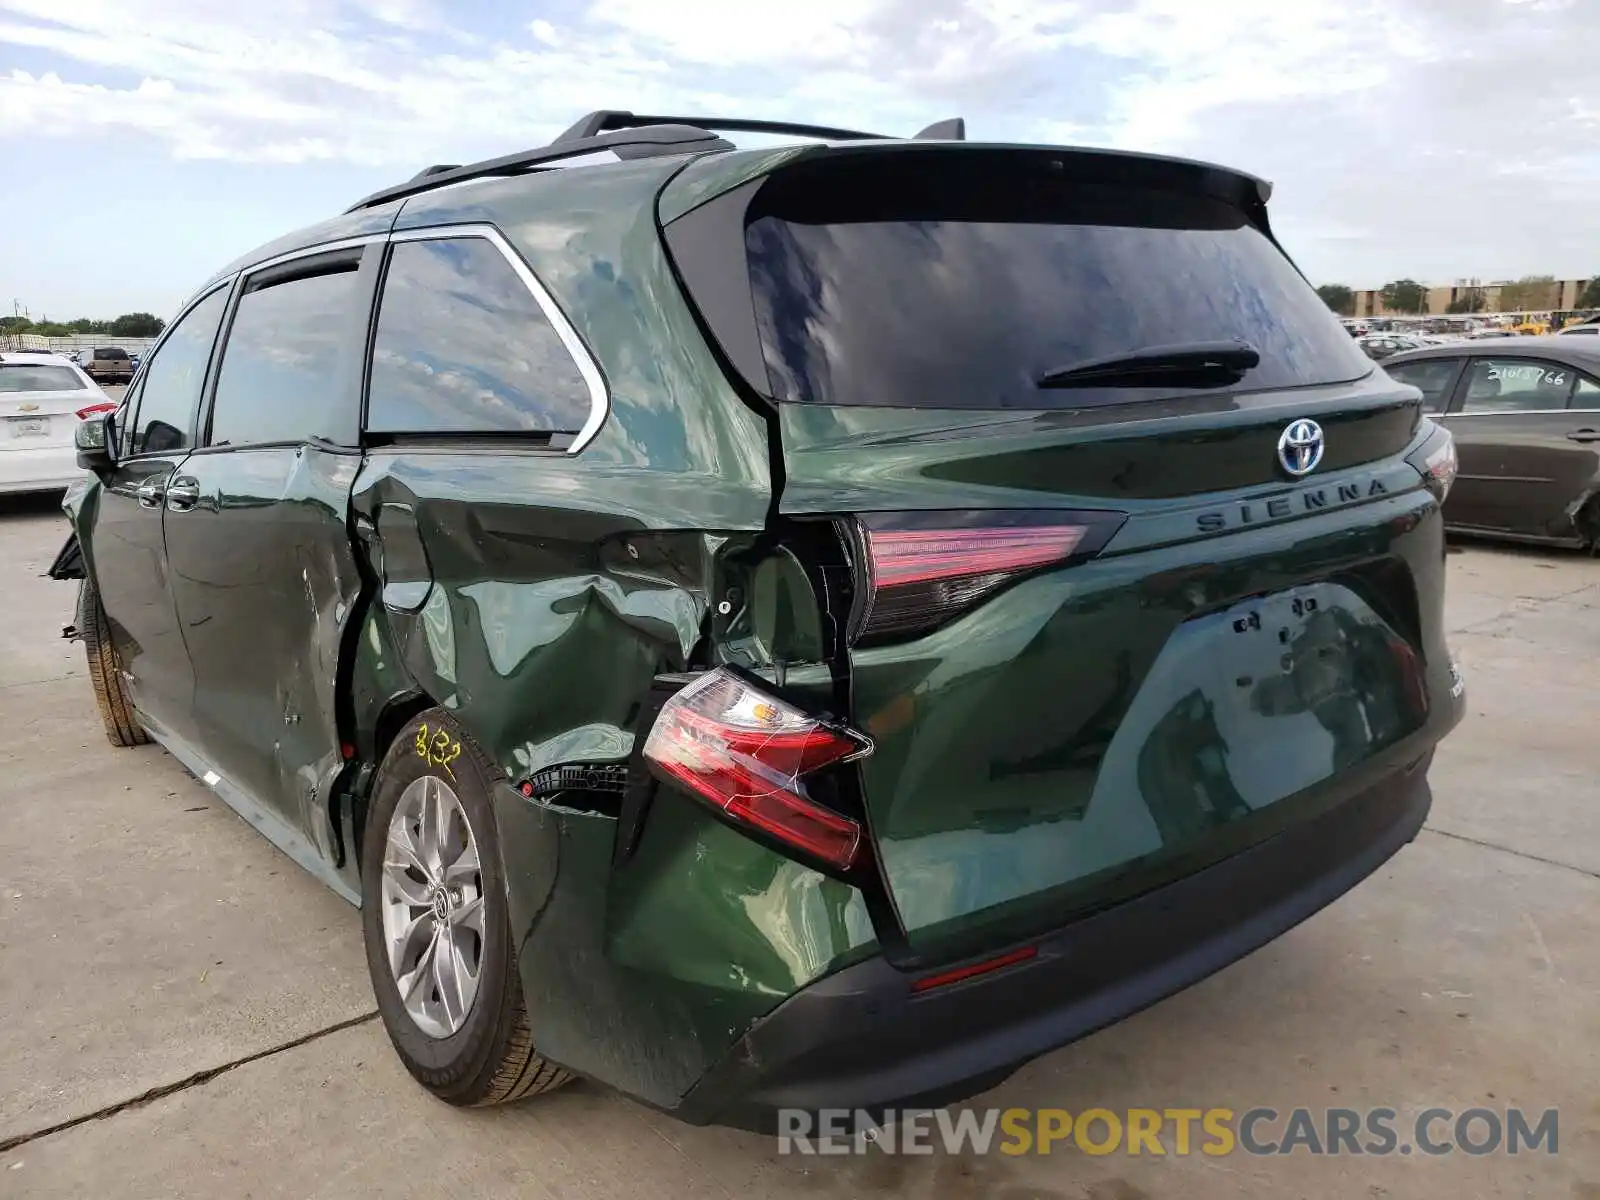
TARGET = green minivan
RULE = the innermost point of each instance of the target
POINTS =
(801, 627)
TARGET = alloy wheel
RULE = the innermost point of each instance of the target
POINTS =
(432, 889)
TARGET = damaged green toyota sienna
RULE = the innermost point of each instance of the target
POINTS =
(811, 626)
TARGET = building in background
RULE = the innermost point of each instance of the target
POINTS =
(1559, 295)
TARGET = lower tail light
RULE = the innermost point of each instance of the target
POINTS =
(1436, 460)
(929, 567)
(748, 754)
(1440, 468)
(972, 970)
(95, 410)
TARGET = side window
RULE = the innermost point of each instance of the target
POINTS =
(283, 364)
(462, 346)
(173, 379)
(1431, 376)
(1587, 394)
(1516, 385)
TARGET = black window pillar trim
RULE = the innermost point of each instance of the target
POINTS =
(588, 368)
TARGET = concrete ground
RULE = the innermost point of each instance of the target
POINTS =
(183, 1012)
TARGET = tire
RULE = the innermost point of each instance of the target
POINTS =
(105, 672)
(1588, 525)
(489, 1057)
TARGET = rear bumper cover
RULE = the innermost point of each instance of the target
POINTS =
(860, 1039)
(37, 469)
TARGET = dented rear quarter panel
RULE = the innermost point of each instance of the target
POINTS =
(549, 588)
(536, 594)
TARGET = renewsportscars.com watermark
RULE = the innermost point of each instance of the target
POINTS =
(1214, 1132)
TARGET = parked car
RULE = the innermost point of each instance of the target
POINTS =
(1526, 419)
(106, 364)
(1591, 328)
(43, 398)
(766, 629)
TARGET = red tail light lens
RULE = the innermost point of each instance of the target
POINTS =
(972, 970)
(748, 753)
(924, 555)
(94, 410)
(929, 567)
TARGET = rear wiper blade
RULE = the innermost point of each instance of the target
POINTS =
(1190, 364)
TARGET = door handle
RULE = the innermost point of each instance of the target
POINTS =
(183, 493)
(1583, 435)
(152, 491)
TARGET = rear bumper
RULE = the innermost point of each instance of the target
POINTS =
(859, 1039)
(48, 468)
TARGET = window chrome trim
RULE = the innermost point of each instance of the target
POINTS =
(588, 368)
(1519, 412)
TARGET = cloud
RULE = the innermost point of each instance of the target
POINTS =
(1425, 137)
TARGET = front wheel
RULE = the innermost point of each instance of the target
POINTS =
(436, 925)
(105, 672)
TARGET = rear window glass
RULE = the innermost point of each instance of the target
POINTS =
(23, 377)
(111, 354)
(939, 294)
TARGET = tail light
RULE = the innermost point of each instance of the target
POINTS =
(928, 567)
(748, 754)
(1436, 460)
(94, 410)
(972, 970)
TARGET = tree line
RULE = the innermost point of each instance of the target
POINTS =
(1527, 294)
(137, 324)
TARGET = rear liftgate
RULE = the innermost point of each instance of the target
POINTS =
(1129, 571)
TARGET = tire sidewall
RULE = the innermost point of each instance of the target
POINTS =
(461, 1063)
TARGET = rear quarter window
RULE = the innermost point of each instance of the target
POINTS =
(463, 346)
(942, 293)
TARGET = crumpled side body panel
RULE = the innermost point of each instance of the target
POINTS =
(538, 594)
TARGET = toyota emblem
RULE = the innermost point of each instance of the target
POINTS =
(1300, 447)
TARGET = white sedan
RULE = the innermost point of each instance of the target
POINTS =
(43, 399)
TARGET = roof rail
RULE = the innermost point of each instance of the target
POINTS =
(436, 169)
(632, 135)
(606, 119)
(631, 143)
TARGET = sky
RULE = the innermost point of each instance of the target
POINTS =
(144, 143)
